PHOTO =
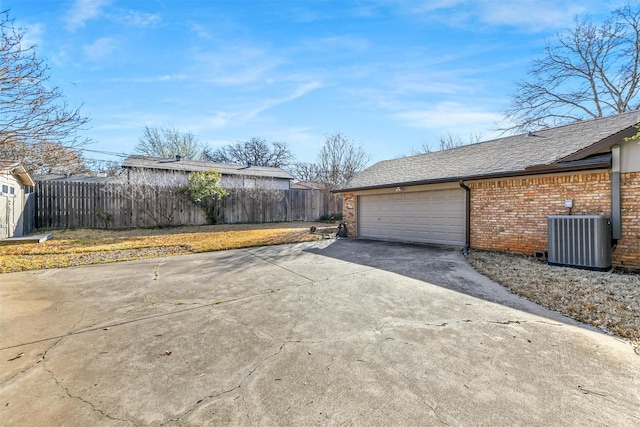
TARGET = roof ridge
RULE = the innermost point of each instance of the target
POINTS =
(508, 154)
(204, 162)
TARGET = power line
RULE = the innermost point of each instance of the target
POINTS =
(109, 153)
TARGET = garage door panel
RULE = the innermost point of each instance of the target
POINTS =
(430, 216)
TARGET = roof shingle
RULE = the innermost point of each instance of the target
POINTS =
(145, 162)
(511, 154)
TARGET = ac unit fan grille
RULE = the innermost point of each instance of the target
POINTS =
(582, 241)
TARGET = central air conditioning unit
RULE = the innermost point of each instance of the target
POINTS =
(580, 241)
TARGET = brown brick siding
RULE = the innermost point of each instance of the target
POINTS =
(511, 215)
(349, 212)
(628, 250)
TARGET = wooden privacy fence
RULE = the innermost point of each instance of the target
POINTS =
(29, 213)
(100, 205)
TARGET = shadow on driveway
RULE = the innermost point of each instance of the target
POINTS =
(442, 266)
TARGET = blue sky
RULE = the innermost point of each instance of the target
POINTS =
(391, 75)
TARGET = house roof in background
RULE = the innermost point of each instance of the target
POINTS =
(78, 178)
(308, 185)
(17, 170)
(145, 162)
(505, 156)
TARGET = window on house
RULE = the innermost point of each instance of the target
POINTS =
(5, 188)
(12, 190)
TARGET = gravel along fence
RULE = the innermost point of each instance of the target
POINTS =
(608, 301)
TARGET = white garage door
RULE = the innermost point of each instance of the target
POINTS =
(427, 216)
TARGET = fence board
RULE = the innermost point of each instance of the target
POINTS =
(29, 214)
(80, 204)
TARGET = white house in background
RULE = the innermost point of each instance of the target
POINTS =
(14, 187)
(177, 170)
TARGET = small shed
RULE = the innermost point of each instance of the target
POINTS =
(15, 186)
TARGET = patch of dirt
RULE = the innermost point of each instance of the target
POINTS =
(608, 301)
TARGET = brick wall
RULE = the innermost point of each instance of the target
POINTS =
(628, 250)
(511, 214)
(349, 212)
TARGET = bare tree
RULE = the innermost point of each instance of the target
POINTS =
(168, 143)
(256, 151)
(157, 194)
(339, 160)
(586, 72)
(32, 113)
(257, 195)
(107, 167)
(44, 158)
(305, 171)
(447, 142)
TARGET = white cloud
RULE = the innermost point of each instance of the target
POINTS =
(525, 15)
(433, 5)
(435, 83)
(150, 79)
(450, 116)
(100, 49)
(236, 65)
(139, 19)
(274, 102)
(532, 15)
(33, 35)
(83, 11)
(201, 31)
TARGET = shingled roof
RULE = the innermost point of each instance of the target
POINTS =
(512, 155)
(145, 162)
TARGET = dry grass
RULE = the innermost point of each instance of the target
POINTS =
(608, 301)
(82, 247)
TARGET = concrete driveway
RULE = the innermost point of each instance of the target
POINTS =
(341, 332)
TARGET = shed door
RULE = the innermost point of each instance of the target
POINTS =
(426, 217)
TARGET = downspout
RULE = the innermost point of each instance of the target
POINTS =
(616, 209)
(467, 225)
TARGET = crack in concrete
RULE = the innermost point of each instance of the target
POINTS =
(43, 353)
(410, 382)
(276, 265)
(91, 405)
(42, 361)
(311, 281)
(102, 325)
(34, 365)
(457, 322)
(240, 384)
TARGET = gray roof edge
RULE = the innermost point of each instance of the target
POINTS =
(555, 168)
(515, 135)
(148, 162)
(603, 144)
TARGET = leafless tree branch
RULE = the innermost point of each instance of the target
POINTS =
(586, 72)
(33, 115)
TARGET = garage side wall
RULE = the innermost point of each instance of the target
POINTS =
(628, 250)
(349, 214)
(511, 214)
